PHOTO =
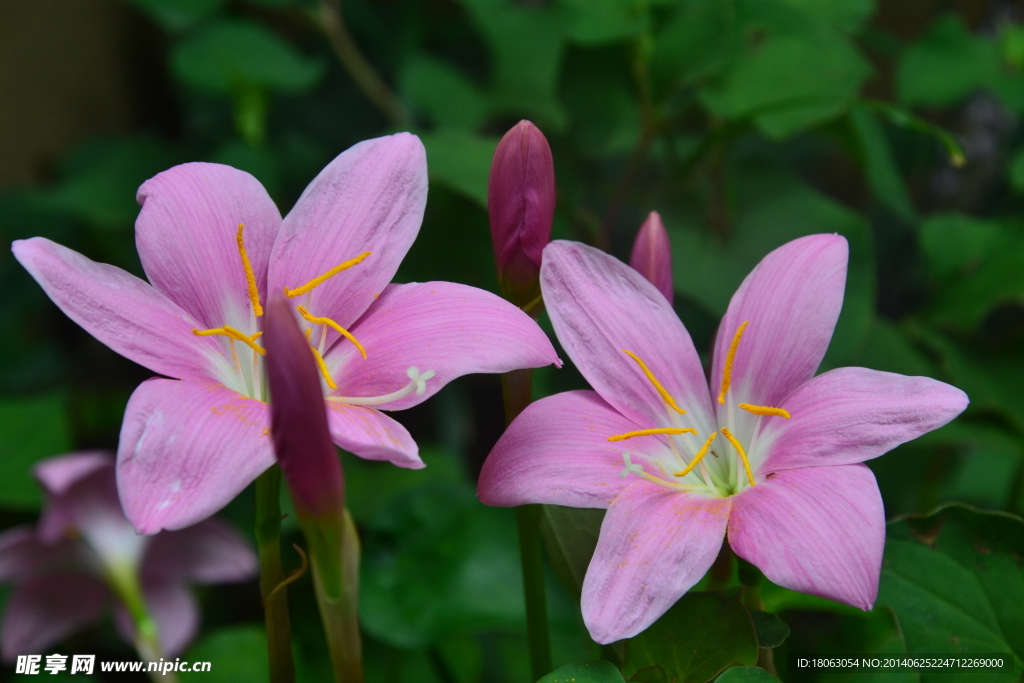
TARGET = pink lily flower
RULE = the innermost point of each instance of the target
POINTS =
(213, 245)
(768, 453)
(66, 570)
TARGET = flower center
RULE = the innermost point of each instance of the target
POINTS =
(728, 471)
(251, 381)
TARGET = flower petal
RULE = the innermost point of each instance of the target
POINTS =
(176, 614)
(370, 198)
(59, 474)
(210, 552)
(850, 415)
(557, 452)
(450, 329)
(45, 609)
(817, 530)
(600, 306)
(23, 555)
(122, 311)
(792, 301)
(187, 233)
(186, 450)
(372, 435)
(655, 544)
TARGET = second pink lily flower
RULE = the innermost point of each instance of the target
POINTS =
(764, 452)
(213, 246)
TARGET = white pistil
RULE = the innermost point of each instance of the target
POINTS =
(630, 466)
(417, 383)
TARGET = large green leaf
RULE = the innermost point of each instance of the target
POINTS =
(461, 161)
(30, 429)
(237, 653)
(587, 672)
(442, 93)
(954, 243)
(230, 54)
(703, 634)
(570, 535)
(746, 674)
(955, 582)
(696, 42)
(882, 174)
(593, 22)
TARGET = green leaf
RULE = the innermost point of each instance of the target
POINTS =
(947, 64)
(954, 243)
(846, 15)
(570, 535)
(595, 22)
(790, 82)
(887, 348)
(231, 53)
(601, 100)
(771, 630)
(30, 429)
(442, 93)
(696, 42)
(178, 15)
(1016, 171)
(882, 174)
(461, 161)
(745, 674)
(955, 583)
(700, 636)
(587, 672)
(237, 653)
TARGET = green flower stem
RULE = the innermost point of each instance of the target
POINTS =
(124, 581)
(516, 387)
(275, 602)
(334, 553)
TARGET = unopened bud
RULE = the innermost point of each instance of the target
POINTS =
(652, 255)
(521, 204)
(298, 417)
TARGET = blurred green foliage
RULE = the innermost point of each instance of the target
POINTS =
(746, 123)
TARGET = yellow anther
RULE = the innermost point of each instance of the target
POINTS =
(739, 449)
(330, 323)
(764, 410)
(698, 457)
(729, 359)
(323, 368)
(250, 277)
(232, 333)
(665, 396)
(308, 287)
(648, 432)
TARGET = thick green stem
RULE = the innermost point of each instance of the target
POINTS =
(334, 551)
(275, 601)
(516, 387)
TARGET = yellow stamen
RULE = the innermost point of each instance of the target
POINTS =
(699, 456)
(665, 396)
(764, 410)
(232, 333)
(648, 432)
(308, 287)
(729, 359)
(323, 368)
(337, 328)
(739, 449)
(250, 277)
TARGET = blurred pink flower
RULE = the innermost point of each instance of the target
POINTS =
(65, 570)
(769, 452)
(213, 245)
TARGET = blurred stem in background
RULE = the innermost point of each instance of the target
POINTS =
(124, 580)
(272, 579)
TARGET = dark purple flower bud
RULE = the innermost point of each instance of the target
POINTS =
(521, 203)
(298, 417)
(652, 255)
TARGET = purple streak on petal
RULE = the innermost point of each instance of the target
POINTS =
(210, 552)
(850, 415)
(452, 329)
(370, 198)
(120, 310)
(655, 544)
(652, 255)
(521, 203)
(372, 435)
(186, 450)
(792, 300)
(58, 474)
(298, 417)
(817, 530)
(557, 452)
(45, 609)
(186, 237)
(600, 306)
